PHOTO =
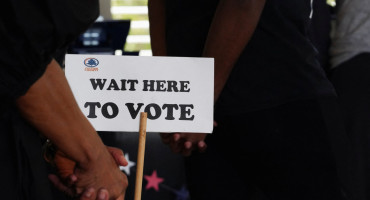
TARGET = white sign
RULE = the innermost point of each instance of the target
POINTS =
(112, 91)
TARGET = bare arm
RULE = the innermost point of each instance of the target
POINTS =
(49, 105)
(232, 27)
(157, 18)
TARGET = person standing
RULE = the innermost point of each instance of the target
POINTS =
(36, 103)
(350, 70)
(270, 133)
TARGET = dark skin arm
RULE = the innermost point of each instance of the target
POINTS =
(50, 107)
(156, 14)
(232, 27)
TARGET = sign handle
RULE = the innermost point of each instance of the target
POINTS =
(140, 156)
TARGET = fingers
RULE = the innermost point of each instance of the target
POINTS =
(176, 137)
(55, 180)
(202, 146)
(185, 143)
(88, 194)
(71, 180)
(103, 194)
(118, 156)
(176, 143)
(188, 145)
(181, 145)
(166, 137)
(188, 148)
(69, 184)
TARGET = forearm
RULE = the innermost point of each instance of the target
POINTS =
(232, 27)
(49, 106)
(157, 14)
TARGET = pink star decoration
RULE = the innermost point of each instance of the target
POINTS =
(153, 181)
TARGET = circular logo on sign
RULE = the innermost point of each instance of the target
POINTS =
(91, 62)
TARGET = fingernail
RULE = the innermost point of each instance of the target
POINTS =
(123, 159)
(188, 145)
(102, 196)
(89, 192)
(73, 178)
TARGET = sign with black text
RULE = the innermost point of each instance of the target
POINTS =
(111, 91)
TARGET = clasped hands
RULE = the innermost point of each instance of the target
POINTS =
(97, 180)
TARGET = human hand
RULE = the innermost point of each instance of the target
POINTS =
(101, 172)
(66, 177)
(88, 194)
(185, 143)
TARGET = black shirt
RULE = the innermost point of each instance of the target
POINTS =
(277, 66)
(32, 32)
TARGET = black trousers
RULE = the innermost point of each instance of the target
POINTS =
(352, 83)
(283, 152)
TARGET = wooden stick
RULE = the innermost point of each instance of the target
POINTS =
(140, 156)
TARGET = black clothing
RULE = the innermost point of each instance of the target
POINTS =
(277, 66)
(31, 34)
(351, 81)
(271, 131)
(320, 31)
(279, 151)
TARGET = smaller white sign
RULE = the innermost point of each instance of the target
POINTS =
(112, 91)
